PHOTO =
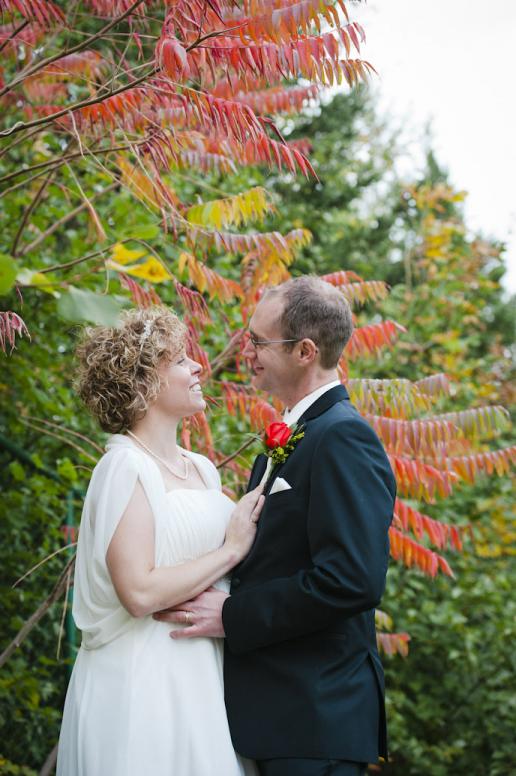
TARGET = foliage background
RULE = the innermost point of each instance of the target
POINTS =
(450, 704)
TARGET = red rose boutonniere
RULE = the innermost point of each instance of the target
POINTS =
(279, 441)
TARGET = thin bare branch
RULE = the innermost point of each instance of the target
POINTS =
(97, 447)
(88, 202)
(64, 219)
(21, 125)
(68, 264)
(218, 363)
(215, 34)
(79, 47)
(18, 140)
(42, 563)
(30, 209)
(60, 160)
(21, 184)
(229, 458)
(13, 34)
(50, 763)
(63, 615)
(60, 438)
(42, 609)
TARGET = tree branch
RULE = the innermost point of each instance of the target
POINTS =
(21, 183)
(218, 363)
(21, 125)
(225, 461)
(214, 34)
(30, 209)
(68, 264)
(60, 438)
(42, 562)
(70, 431)
(73, 50)
(13, 34)
(65, 219)
(49, 764)
(42, 609)
(60, 160)
(17, 141)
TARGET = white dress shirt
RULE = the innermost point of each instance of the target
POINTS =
(290, 417)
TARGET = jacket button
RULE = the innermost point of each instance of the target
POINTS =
(235, 582)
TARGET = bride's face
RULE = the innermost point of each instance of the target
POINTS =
(181, 393)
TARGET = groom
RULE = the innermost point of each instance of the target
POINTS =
(303, 680)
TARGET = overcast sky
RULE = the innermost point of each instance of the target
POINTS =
(454, 62)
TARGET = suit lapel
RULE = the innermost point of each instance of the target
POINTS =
(323, 403)
(257, 471)
(327, 400)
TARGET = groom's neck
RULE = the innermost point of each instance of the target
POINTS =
(295, 393)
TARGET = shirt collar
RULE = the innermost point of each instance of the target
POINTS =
(292, 416)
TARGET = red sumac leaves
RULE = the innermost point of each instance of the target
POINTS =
(173, 59)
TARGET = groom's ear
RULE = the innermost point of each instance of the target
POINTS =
(308, 351)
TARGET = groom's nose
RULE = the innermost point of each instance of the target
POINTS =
(249, 351)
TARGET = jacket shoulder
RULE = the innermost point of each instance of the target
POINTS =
(342, 412)
(343, 425)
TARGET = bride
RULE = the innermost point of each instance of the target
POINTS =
(156, 530)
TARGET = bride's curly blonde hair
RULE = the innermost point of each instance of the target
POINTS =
(118, 375)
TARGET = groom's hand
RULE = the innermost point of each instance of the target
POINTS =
(202, 615)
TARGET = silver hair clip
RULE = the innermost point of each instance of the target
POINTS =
(147, 329)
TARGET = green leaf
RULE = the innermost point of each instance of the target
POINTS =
(80, 305)
(28, 277)
(37, 460)
(67, 470)
(17, 471)
(143, 232)
(8, 269)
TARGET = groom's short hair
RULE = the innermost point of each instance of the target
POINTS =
(315, 309)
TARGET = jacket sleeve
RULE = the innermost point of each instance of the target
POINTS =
(352, 492)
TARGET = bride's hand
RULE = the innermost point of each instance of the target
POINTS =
(241, 529)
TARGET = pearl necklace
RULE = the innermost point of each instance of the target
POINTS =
(162, 462)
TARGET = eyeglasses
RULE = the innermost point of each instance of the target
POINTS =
(257, 343)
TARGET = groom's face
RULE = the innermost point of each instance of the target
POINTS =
(272, 365)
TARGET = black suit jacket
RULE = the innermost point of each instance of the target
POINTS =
(302, 673)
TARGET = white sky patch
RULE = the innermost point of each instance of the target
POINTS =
(452, 63)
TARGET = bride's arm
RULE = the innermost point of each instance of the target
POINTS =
(144, 588)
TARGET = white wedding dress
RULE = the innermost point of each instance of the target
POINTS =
(140, 703)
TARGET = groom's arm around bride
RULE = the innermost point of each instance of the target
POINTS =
(303, 680)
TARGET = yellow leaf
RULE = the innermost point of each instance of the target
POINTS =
(184, 259)
(194, 214)
(233, 210)
(215, 214)
(152, 270)
(123, 255)
(197, 276)
(144, 188)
